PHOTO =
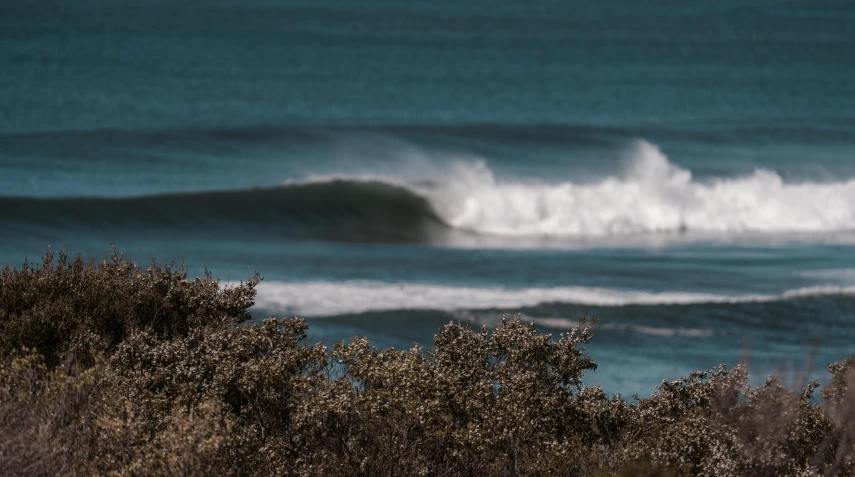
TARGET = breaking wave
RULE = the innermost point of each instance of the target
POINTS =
(653, 196)
(466, 199)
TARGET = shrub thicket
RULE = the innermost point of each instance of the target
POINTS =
(115, 369)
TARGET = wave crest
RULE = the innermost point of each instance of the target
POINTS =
(653, 196)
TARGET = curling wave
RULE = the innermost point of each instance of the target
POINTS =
(466, 200)
(333, 210)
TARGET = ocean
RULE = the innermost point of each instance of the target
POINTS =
(682, 171)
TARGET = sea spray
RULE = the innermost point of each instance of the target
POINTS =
(652, 196)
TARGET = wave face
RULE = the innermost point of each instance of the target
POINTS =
(463, 199)
(653, 196)
(334, 210)
(335, 298)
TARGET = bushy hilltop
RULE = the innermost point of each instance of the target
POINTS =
(111, 368)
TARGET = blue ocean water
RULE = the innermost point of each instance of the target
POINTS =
(684, 171)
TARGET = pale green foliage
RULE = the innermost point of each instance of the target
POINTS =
(112, 369)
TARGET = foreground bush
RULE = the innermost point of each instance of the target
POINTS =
(116, 369)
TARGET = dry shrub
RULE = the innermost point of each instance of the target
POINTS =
(114, 369)
(72, 309)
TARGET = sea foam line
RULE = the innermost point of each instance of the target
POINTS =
(318, 298)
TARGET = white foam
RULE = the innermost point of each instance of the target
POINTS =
(653, 195)
(818, 291)
(332, 298)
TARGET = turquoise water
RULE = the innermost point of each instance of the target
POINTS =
(683, 171)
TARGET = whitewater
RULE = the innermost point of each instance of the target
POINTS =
(652, 195)
(314, 299)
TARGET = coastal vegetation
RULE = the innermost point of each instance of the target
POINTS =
(113, 368)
